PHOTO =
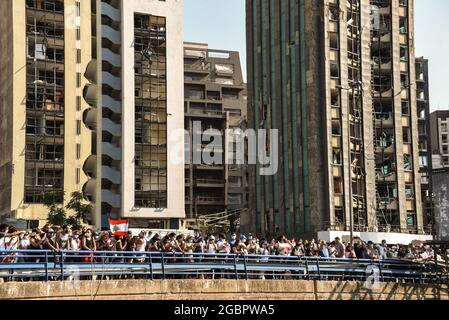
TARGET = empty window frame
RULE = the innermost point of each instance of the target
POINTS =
(151, 103)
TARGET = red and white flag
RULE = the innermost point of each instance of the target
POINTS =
(119, 227)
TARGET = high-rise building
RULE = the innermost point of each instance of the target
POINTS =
(215, 99)
(425, 149)
(45, 48)
(439, 137)
(72, 67)
(336, 78)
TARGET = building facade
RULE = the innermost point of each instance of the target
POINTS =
(440, 182)
(103, 86)
(439, 133)
(215, 99)
(45, 48)
(334, 77)
(425, 148)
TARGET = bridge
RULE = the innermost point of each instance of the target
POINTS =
(42, 265)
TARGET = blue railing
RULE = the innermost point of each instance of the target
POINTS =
(41, 265)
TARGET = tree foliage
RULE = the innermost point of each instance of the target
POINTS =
(57, 213)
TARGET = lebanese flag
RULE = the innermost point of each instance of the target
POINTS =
(119, 227)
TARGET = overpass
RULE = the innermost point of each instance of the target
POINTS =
(231, 290)
(154, 275)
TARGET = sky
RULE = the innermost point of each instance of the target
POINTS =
(221, 24)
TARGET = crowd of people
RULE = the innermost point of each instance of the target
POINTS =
(63, 238)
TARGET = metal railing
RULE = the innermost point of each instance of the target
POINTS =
(41, 265)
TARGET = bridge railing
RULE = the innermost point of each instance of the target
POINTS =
(42, 265)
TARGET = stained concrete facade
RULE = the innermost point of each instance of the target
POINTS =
(136, 167)
(64, 124)
(424, 132)
(219, 289)
(215, 99)
(338, 89)
(45, 45)
(439, 134)
(440, 186)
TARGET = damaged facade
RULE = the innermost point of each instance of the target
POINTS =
(337, 84)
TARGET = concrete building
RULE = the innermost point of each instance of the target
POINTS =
(439, 135)
(425, 149)
(337, 84)
(215, 98)
(45, 47)
(69, 68)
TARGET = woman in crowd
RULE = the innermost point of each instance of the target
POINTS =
(349, 252)
(88, 243)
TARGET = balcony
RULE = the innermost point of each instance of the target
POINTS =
(209, 183)
(205, 200)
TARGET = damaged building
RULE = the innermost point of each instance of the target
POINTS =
(337, 79)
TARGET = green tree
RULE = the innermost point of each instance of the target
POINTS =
(80, 206)
(56, 212)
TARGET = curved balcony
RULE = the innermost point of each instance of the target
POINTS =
(91, 71)
(90, 118)
(90, 188)
(90, 94)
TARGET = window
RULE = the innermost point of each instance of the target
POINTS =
(403, 27)
(150, 101)
(230, 94)
(404, 53)
(78, 56)
(78, 127)
(404, 81)
(78, 175)
(411, 220)
(405, 108)
(338, 186)
(444, 138)
(78, 151)
(406, 136)
(445, 150)
(78, 103)
(235, 182)
(409, 191)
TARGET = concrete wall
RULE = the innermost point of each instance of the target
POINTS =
(218, 289)
(6, 101)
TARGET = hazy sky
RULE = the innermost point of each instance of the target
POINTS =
(221, 23)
